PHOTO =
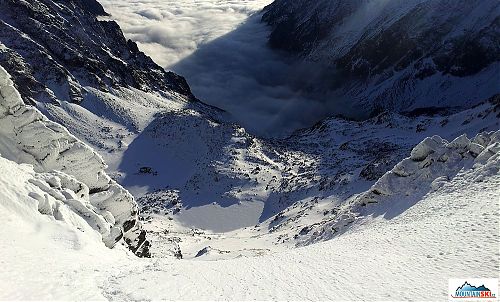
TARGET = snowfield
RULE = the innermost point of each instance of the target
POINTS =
(434, 216)
(381, 260)
(450, 233)
(43, 258)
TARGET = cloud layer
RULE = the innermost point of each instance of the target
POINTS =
(220, 47)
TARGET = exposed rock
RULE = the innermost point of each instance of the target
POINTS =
(92, 6)
(56, 48)
(437, 163)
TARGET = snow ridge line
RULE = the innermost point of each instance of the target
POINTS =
(432, 163)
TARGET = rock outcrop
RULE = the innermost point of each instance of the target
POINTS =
(432, 164)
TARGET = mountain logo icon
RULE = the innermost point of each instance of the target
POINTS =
(469, 291)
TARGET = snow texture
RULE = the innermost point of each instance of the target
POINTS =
(433, 163)
(455, 224)
(27, 136)
(233, 206)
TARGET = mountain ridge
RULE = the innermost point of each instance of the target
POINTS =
(392, 55)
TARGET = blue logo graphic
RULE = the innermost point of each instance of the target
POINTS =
(470, 291)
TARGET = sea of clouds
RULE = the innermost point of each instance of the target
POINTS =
(220, 46)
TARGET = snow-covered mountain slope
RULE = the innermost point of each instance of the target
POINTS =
(45, 255)
(398, 55)
(208, 190)
(52, 197)
(433, 164)
(58, 48)
(350, 156)
(27, 136)
(81, 72)
(420, 246)
(300, 182)
(144, 122)
(450, 232)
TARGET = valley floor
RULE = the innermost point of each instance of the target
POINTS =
(451, 233)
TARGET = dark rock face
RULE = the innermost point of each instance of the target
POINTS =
(407, 43)
(140, 246)
(470, 53)
(376, 169)
(61, 45)
(389, 57)
(291, 33)
(92, 6)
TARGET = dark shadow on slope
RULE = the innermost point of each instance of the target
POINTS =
(392, 206)
(366, 154)
(268, 91)
(176, 152)
(341, 157)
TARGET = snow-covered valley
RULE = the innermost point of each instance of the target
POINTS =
(380, 259)
(105, 156)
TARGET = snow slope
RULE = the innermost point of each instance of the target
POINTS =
(184, 158)
(298, 183)
(390, 223)
(27, 136)
(381, 259)
(43, 256)
(433, 163)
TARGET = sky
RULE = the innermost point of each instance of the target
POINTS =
(220, 46)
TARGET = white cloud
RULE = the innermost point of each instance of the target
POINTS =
(223, 54)
(174, 29)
